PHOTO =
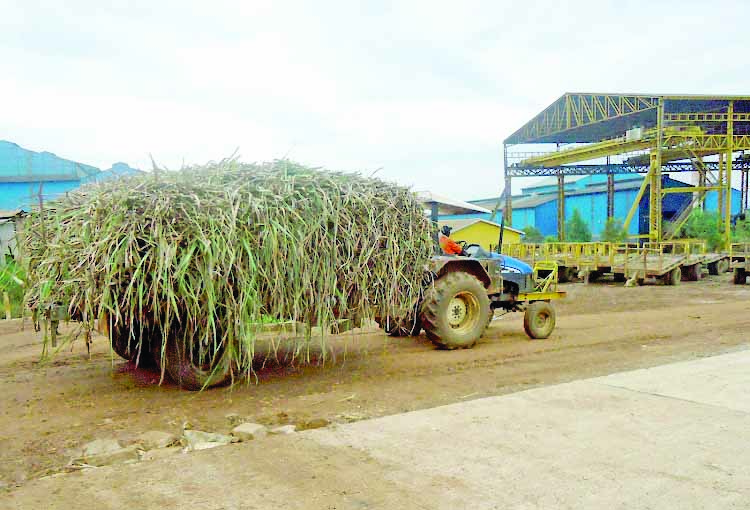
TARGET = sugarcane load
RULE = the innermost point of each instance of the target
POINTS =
(180, 268)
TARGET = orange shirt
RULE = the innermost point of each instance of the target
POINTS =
(449, 246)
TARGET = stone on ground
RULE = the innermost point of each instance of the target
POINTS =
(104, 452)
(154, 439)
(200, 440)
(249, 431)
(283, 430)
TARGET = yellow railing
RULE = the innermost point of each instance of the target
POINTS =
(546, 283)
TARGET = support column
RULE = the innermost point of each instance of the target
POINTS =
(610, 193)
(728, 202)
(561, 207)
(508, 209)
(654, 231)
(720, 192)
(746, 188)
(702, 183)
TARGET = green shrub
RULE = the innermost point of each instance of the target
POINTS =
(576, 230)
(614, 232)
(532, 235)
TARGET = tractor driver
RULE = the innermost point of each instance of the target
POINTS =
(448, 245)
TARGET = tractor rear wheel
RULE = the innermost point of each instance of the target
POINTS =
(455, 311)
(539, 320)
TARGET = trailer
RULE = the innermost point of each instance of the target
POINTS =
(670, 261)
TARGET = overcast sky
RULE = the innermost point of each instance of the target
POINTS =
(423, 91)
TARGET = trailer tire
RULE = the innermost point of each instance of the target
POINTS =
(692, 273)
(539, 320)
(619, 277)
(400, 328)
(455, 311)
(563, 275)
(713, 268)
(131, 349)
(722, 266)
(673, 277)
(740, 276)
(190, 375)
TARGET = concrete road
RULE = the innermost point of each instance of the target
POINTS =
(675, 436)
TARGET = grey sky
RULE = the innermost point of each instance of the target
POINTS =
(426, 91)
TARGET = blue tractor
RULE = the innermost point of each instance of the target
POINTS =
(462, 292)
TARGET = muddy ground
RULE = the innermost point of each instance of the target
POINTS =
(49, 409)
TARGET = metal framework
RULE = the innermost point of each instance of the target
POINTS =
(675, 134)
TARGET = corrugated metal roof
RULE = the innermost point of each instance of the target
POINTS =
(22, 165)
(449, 205)
(462, 223)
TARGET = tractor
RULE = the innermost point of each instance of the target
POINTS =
(462, 294)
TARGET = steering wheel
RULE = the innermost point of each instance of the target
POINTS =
(462, 244)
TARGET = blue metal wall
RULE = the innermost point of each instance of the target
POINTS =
(546, 218)
(23, 173)
(24, 195)
(712, 201)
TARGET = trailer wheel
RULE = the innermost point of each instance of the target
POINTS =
(539, 320)
(619, 277)
(713, 268)
(130, 348)
(455, 311)
(722, 266)
(673, 277)
(563, 274)
(692, 273)
(398, 328)
(740, 276)
(193, 373)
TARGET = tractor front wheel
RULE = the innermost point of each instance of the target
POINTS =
(539, 320)
(455, 311)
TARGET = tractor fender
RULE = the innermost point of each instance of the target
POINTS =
(444, 265)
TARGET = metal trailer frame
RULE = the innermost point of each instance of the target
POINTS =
(650, 260)
(739, 256)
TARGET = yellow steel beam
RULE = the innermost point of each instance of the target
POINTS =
(590, 151)
(730, 150)
(637, 201)
(655, 209)
(690, 189)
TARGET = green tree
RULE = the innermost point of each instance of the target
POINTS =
(550, 239)
(576, 229)
(614, 232)
(703, 225)
(532, 235)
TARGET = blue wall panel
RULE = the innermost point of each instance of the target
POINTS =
(546, 218)
(23, 195)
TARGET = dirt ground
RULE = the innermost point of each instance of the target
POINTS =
(49, 409)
